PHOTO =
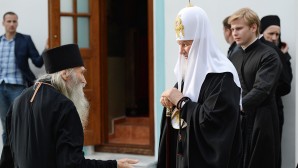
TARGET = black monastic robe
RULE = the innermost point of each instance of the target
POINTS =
(284, 82)
(259, 68)
(212, 138)
(233, 48)
(46, 133)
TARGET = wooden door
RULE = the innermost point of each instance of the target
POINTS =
(77, 21)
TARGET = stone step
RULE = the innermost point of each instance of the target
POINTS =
(130, 130)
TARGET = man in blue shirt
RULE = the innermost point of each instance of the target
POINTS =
(15, 73)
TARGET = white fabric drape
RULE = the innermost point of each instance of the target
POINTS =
(204, 56)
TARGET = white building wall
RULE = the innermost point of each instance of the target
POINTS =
(217, 10)
(33, 20)
(296, 92)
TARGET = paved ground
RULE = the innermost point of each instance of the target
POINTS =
(144, 161)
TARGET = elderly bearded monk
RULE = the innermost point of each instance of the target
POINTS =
(45, 123)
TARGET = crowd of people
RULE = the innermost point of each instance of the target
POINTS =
(225, 110)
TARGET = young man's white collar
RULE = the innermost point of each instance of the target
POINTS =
(261, 35)
(249, 44)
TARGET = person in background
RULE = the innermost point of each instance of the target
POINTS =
(270, 35)
(203, 125)
(45, 124)
(259, 68)
(15, 73)
(228, 37)
(270, 29)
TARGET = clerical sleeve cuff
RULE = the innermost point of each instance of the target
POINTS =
(182, 102)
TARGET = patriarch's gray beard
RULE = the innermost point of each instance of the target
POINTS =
(184, 67)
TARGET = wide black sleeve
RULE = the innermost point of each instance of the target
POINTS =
(265, 81)
(70, 141)
(213, 124)
(162, 151)
(6, 156)
(286, 76)
(36, 58)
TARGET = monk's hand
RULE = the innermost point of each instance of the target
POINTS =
(284, 48)
(126, 163)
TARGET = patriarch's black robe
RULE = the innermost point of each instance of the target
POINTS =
(259, 69)
(212, 138)
(46, 133)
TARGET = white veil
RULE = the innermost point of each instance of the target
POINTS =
(204, 56)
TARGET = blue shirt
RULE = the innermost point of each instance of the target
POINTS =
(9, 72)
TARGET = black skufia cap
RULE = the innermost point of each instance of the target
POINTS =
(269, 20)
(61, 58)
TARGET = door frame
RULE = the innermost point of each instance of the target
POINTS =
(120, 148)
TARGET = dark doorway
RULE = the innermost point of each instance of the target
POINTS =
(128, 95)
(128, 56)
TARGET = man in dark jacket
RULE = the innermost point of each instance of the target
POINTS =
(228, 37)
(45, 123)
(15, 74)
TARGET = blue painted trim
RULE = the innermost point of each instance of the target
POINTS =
(159, 71)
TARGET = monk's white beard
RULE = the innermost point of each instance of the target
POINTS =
(73, 90)
(76, 94)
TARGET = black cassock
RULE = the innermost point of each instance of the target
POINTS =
(212, 138)
(259, 69)
(46, 133)
(284, 82)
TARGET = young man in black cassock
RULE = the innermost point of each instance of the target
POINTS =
(45, 123)
(203, 129)
(259, 69)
